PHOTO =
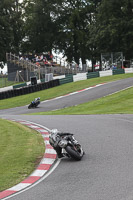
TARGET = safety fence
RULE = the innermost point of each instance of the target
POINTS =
(25, 88)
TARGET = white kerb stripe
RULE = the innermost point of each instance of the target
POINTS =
(47, 142)
(23, 122)
(32, 126)
(42, 130)
(39, 172)
(45, 136)
(19, 187)
(47, 161)
(50, 151)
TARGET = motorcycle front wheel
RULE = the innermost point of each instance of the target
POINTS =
(74, 153)
(30, 106)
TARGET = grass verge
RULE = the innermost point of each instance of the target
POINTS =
(58, 91)
(21, 149)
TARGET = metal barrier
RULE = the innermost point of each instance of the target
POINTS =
(118, 71)
(92, 75)
(68, 79)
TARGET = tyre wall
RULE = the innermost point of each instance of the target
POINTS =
(28, 89)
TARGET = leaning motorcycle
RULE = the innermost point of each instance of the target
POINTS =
(34, 103)
(67, 143)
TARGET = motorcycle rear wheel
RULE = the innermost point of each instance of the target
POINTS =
(73, 153)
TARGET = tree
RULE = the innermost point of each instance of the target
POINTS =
(17, 26)
(114, 27)
(39, 27)
(5, 29)
(10, 28)
(72, 29)
(78, 28)
(60, 24)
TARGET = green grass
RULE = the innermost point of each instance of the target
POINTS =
(119, 103)
(5, 83)
(21, 149)
(58, 91)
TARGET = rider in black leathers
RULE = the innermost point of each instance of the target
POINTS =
(57, 148)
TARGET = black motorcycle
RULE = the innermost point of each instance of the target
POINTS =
(67, 144)
(34, 103)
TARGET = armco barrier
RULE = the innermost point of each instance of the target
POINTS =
(118, 71)
(128, 70)
(6, 88)
(19, 85)
(68, 75)
(79, 77)
(59, 77)
(92, 75)
(43, 80)
(66, 80)
(105, 73)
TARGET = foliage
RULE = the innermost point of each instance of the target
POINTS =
(40, 29)
(73, 32)
(114, 27)
(78, 28)
(11, 33)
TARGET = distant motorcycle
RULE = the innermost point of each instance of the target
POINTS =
(34, 103)
(65, 145)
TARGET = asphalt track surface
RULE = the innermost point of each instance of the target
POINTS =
(106, 170)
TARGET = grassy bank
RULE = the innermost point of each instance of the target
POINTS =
(58, 91)
(21, 149)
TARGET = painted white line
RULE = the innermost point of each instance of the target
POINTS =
(58, 97)
(118, 91)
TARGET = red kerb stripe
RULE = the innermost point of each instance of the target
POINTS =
(44, 166)
(47, 155)
(48, 146)
(31, 179)
(46, 138)
(6, 193)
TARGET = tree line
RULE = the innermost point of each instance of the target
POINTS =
(77, 28)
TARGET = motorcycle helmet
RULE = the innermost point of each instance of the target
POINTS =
(54, 131)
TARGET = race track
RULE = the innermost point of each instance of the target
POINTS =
(78, 98)
(105, 173)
